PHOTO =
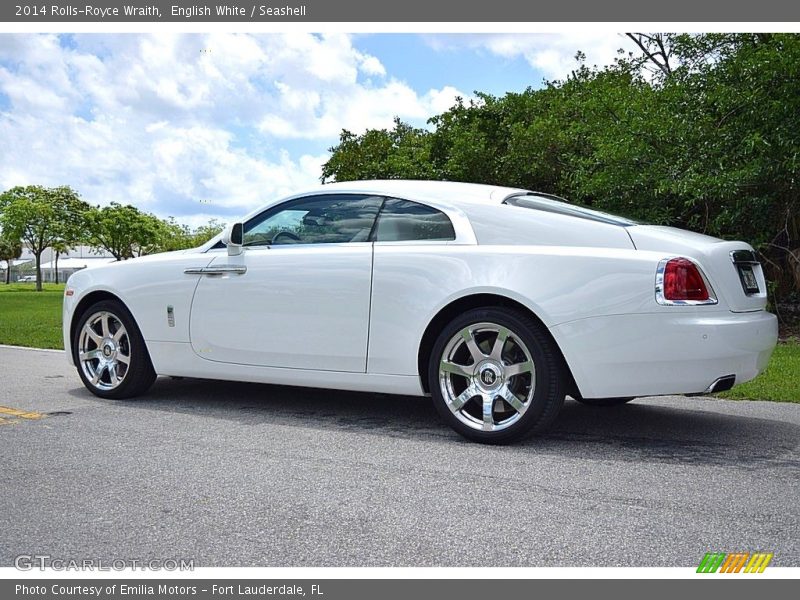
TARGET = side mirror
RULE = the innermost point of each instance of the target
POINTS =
(232, 238)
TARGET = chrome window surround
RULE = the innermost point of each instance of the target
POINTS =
(465, 234)
(660, 299)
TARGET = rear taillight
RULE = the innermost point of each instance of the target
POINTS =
(680, 281)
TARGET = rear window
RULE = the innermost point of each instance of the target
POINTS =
(550, 204)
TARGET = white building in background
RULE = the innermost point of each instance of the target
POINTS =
(79, 257)
(17, 266)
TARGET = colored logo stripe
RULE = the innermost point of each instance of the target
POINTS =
(734, 562)
(711, 562)
(758, 563)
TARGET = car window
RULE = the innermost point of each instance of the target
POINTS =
(403, 220)
(328, 219)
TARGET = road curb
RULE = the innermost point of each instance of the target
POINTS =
(32, 349)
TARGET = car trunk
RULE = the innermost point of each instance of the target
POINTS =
(731, 268)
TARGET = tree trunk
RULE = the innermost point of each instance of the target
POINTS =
(57, 254)
(8, 271)
(39, 272)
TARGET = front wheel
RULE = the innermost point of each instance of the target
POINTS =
(110, 353)
(496, 376)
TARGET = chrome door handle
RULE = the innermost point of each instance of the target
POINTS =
(216, 270)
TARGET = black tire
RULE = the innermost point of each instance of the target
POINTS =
(139, 374)
(551, 375)
(604, 401)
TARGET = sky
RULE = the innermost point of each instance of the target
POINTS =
(201, 126)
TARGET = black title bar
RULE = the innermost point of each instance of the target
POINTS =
(385, 589)
(462, 11)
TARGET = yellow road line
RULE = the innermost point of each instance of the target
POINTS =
(23, 414)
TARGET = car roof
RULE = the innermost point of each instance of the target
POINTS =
(452, 192)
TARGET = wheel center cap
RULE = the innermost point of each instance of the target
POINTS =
(489, 376)
(108, 349)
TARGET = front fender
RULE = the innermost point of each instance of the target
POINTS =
(147, 287)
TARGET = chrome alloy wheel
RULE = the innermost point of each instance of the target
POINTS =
(104, 350)
(487, 376)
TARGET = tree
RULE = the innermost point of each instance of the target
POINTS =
(126, 232)
(205, 232)
(59, 247)
(656, 51)
(42, 216)
(173, 236)
(402, 152)
(10, 250)
(695, 131)
(122, 230)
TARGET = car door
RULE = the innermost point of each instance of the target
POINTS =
(298, 296)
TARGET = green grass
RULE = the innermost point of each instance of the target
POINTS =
(779, 383)
(30, 318)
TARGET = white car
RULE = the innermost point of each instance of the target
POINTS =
(497, 302)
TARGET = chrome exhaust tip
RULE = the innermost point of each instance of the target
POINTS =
(721, 384)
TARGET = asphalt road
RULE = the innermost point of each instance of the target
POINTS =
(236, 474)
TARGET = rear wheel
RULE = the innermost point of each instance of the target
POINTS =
(604, 401)
(110, 353)
(496, 376)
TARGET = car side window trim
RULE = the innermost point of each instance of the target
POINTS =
(371, 237)
(298, 247)
(464, 233)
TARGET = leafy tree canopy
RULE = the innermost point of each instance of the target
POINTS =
(122, 230)
(41, 217)
(695, 131)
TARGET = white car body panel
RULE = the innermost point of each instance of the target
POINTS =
(352, 316)
(713, 254)
(542, 229)
(147, 286)
(252, 318)
(668, 353)
(554, 282)
(179, 359)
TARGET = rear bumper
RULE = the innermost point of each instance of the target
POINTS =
(665, 353)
